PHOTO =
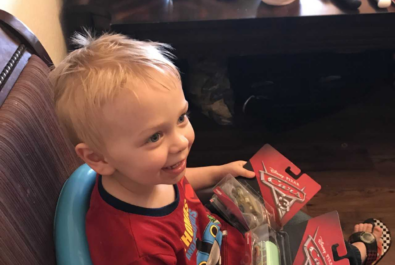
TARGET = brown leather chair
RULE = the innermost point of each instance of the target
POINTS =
(35, 157)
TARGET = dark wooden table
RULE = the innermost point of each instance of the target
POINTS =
(241, 27)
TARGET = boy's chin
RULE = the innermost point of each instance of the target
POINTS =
(171, 180)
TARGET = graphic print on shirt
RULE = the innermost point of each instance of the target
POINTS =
(209, 248)
(189, 236)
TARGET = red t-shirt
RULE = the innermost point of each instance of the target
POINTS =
(183, 232)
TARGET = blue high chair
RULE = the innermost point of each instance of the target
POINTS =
(70, 238)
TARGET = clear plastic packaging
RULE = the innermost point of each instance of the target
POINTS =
(246, 211)
(239, 205)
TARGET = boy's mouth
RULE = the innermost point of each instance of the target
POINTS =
(177, 168)
(174, 166)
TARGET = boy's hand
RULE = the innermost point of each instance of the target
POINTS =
(203, 177)
(237, 169)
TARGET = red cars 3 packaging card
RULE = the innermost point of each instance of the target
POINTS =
(282, 185)
(311, 241)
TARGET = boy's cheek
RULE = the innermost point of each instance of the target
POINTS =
(152, 160)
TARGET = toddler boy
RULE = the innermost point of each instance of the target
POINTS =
(122, 105)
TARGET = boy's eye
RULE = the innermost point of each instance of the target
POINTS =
(181, 119)
(154, 138)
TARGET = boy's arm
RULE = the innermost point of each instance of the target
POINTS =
(204, 177)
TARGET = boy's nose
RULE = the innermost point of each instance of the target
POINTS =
(180, 143)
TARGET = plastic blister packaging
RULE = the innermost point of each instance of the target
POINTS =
(246, 212)
(269, 247)
(239, 205)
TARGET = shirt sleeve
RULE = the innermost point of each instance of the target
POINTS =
(156, 260)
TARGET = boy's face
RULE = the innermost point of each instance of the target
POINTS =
(148, 135)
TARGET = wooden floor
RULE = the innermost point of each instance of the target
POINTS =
(351, 153)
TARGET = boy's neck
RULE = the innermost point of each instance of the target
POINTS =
(155, 196)
(130, 186)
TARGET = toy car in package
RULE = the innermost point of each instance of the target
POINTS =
(260, 208)
(242, 209)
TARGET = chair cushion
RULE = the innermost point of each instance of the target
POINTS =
(35, 161)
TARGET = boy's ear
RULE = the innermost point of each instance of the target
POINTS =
(95, 160)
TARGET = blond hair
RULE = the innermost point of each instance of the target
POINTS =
(94, 74)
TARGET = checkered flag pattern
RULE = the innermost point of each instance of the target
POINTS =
(386, 237)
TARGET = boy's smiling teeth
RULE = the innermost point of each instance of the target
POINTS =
(174, 166)
(176, 169)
